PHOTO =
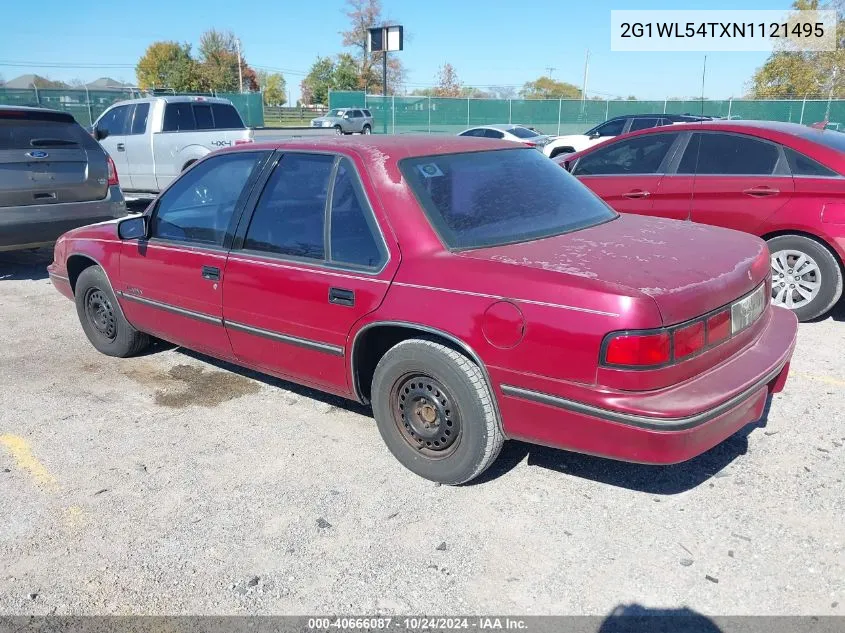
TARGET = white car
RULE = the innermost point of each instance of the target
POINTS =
(614, 127)
(510, 132)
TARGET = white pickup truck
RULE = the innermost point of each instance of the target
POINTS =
(153, 140)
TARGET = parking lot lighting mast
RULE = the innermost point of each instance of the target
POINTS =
(240, 73)
(382, 39)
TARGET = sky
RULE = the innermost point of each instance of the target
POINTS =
(496, 42)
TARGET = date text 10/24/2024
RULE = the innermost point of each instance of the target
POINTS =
(417, 623)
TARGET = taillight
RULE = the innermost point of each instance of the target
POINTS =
(689, 339)
(112, 172)
(718, 327)
(638, 350)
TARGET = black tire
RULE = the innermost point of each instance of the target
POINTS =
(367, 130)
(338, 130)
(829, 274)
(101, 316)
(187, 165)
(561, 150)
(451, 391)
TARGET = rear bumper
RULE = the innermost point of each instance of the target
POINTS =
(38, 225)
(645, 435)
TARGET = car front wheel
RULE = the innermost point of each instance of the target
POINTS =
(101, 317)
(367, 130)
(338, 130)
(806, 277)
(435, 412)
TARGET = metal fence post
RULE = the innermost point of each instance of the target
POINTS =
(467, 111)
(664, 105)
(37, 98)
(429, 114)
(607, 111)
(510, 110)
(88, 101)
(730, 106)
(559, 110)
(803, 103)
(393, 107)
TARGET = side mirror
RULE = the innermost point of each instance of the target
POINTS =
(132, 228)
(100, 133)
(567, 165)
(594, 136)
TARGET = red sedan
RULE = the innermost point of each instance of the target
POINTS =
(781, 181)
(469, 289)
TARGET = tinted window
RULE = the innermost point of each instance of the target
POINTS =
(499, 197)
(226, 117)
(473, 132)
(523, 132)
(353, 229)
(366, 113)
(199, 205)
(642, 124)
(115, 121)
(493, 133)
(801, 165)
(356, 114)
(178, 117)
(641, 155)
(728, 154)
(290, 215)
(203, 118)
(611, 128)
(23, 134)
(139, 123)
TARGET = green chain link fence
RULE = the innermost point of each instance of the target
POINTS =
(409, 115)
(87, 105)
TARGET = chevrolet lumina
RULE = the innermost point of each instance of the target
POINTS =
(469, 289)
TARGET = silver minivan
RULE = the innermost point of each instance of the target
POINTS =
(346, 120)
(53, 177)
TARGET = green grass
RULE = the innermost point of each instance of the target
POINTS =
(288, 122)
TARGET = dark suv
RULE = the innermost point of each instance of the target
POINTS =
(53, 177)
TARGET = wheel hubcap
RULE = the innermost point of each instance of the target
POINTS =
(796, 279)
(425, 416)
(100, 313)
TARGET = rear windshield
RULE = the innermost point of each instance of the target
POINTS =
(523, 132)
(23, 134)
(184, 116)
(490, 198)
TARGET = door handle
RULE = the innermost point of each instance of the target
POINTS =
(121, 147)
(636, 193)
(760, 192)
(341, 297)
(211, 273)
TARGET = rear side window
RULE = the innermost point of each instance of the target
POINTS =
(640, 155)
(198, 207)
(728, 154)
(353, 228)
(801, 165)
(493, 133)
(28, 134)
(289, 218)
(178, 117)
(642, 124)
(474, 132)
(367, 113)
(116, 121)
(203, 118)
(226, 117)
(522, 132)
(139, 122)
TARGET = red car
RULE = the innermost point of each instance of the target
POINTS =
(469, 289)
(780, 181)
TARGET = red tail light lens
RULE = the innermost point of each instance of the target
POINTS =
(689, 340)
(638, 350)
(112, 173)
(719, 327)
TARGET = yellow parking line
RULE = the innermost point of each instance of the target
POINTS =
(22, 454)
(825, 379)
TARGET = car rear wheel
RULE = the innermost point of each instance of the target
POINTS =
(434, 410)
(806, 277)
(367, 130)
(101, 317)
(338, 130)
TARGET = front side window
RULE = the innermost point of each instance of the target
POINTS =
(728, 154)
(289, 218)
(114, 122)
(353, 227)
(198, 207)
(473, 132)
(226, 117)
(640, 155)
(611, 128)
(178, 117)
(494, 197)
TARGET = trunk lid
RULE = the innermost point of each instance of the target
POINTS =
(688, 269)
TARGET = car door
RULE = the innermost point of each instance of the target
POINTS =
(171, 282)
(115, 122)
(308, 264)
(140, 173)
(739, 180)
(627, 173)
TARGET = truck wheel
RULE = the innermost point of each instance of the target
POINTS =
(806, 277)
(434, 410)
(188, 164)
(101, 317)
(338, 130)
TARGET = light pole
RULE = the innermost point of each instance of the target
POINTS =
(240, 74)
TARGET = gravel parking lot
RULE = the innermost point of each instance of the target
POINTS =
(172, 483)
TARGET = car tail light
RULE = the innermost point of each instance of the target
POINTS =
(113, 181)
(638, 350)
(689, 339)
(718, 327)
(243, 141)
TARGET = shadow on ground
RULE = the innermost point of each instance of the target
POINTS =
(29, 264)
(634, 618)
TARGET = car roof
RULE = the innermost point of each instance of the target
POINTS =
(175, 99)
(504, 127)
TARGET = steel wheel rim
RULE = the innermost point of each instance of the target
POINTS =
(100, 313)
(796, 279)
(426, 415)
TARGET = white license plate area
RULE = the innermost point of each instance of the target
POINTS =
(745, 311)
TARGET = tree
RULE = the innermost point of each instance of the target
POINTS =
(448, 84)
(548, 88)
(168, 65)
(315, 87)
(798, 74)
(272, 88)
(364, 15)
(345, 76)
(631, 98)
(219, 63)
(503, 92)
(470, 92)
